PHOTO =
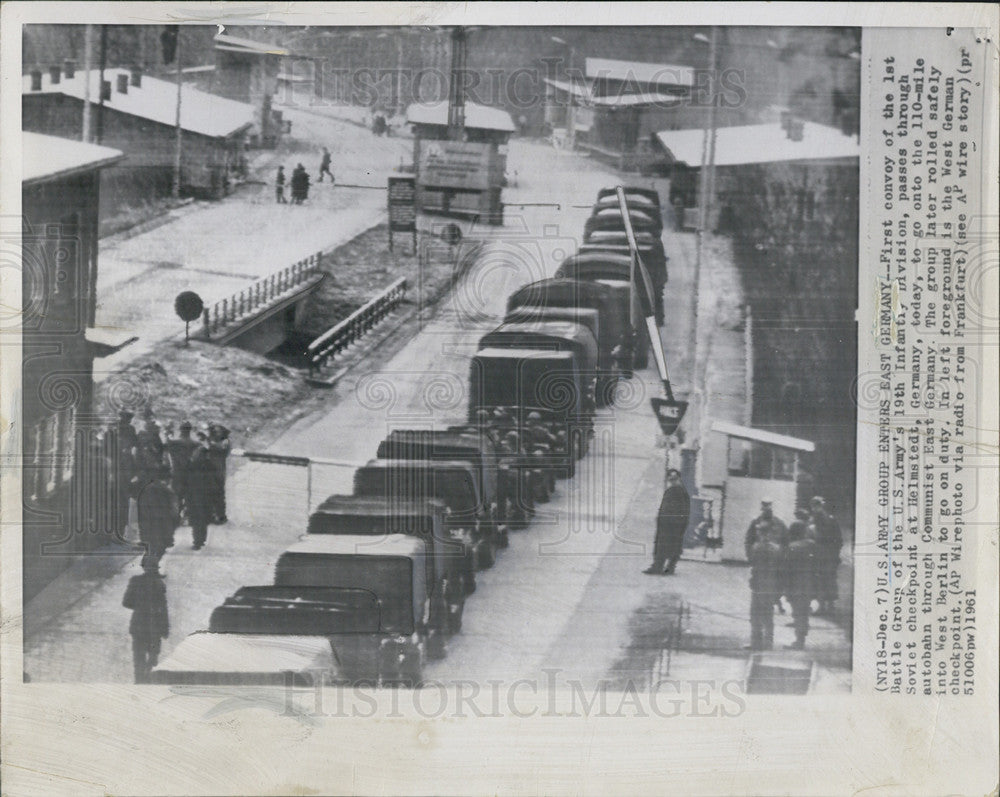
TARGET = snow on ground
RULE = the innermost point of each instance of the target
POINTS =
(218, 248)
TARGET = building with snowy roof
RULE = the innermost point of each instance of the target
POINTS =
(793, 158)
(137, 114)
(615, 106)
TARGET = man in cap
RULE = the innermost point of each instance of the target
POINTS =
(798, 579)
(158, 515)
(218, 454)
(324, 166)
(201, 475)
(179, 450)
(828, 544)
(766, 527)
(146, 596)
(766, 544)
(671, 523)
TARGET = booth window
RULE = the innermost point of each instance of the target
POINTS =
(755, 460)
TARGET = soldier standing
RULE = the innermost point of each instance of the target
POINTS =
(799, 580)
(671, 523)
(828, 542)
(200, 477)
(218, 454)
(766, 543)
(146, 596)
(179, 450)
(121, 470)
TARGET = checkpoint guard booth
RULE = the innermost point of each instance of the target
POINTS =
(460, 178)
(740, 466)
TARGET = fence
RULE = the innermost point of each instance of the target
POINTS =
(260, 294)
(352, 328)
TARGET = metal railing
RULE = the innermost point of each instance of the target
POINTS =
(260, 294)
(355, 326)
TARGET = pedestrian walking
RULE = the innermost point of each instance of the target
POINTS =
(324, 166)
(218, 455)
(799, 576)
(201, 475)
(279, 187)
(146, 596)
(828, 544)
(179, 451)
(671, 523)
(158, 516)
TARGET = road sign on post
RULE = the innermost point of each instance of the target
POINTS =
(668, 411)
(403, 207)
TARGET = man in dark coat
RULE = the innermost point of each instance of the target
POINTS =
(671, 523)
(218, 454)
(179, 450)
(766, 565)
(146, 596)
(766, 527)
(158, 515)
(201, 475)
(828, 544)
(799, 582)
(121, 444)
(300, 185)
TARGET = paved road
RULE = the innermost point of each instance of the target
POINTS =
(568, 594)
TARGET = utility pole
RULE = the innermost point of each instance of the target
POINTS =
(177, 148)
(100, 86)
(706, 185)
(456, 86)
(88, 45)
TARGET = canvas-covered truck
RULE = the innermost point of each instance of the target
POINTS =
(380, 516)
(394, 569)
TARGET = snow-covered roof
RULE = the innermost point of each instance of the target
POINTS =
(359, 545)
(247, 653)
(588, 98)
(156, 100)
(479, 117)
(48, 157)
(746, 432)
(223, 41)
(744, 144)
(639, 72)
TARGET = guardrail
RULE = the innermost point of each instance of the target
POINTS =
(354, 327)
(260, 294)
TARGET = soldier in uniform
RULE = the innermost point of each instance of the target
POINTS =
(179, 450)
(218, 455)
(766, 544)
(828, 544)
(200, 492)
(799, 580)
(671, 523)
(121, 444)
(279, 187)
(146, 596)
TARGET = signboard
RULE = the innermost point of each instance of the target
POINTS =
(668, 413)
(455, 164)
(403, 207)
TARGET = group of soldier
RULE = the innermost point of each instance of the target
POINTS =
(299, 182)
(172, 477)
(798, 562)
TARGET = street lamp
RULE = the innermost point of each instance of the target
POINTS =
(570, 112)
